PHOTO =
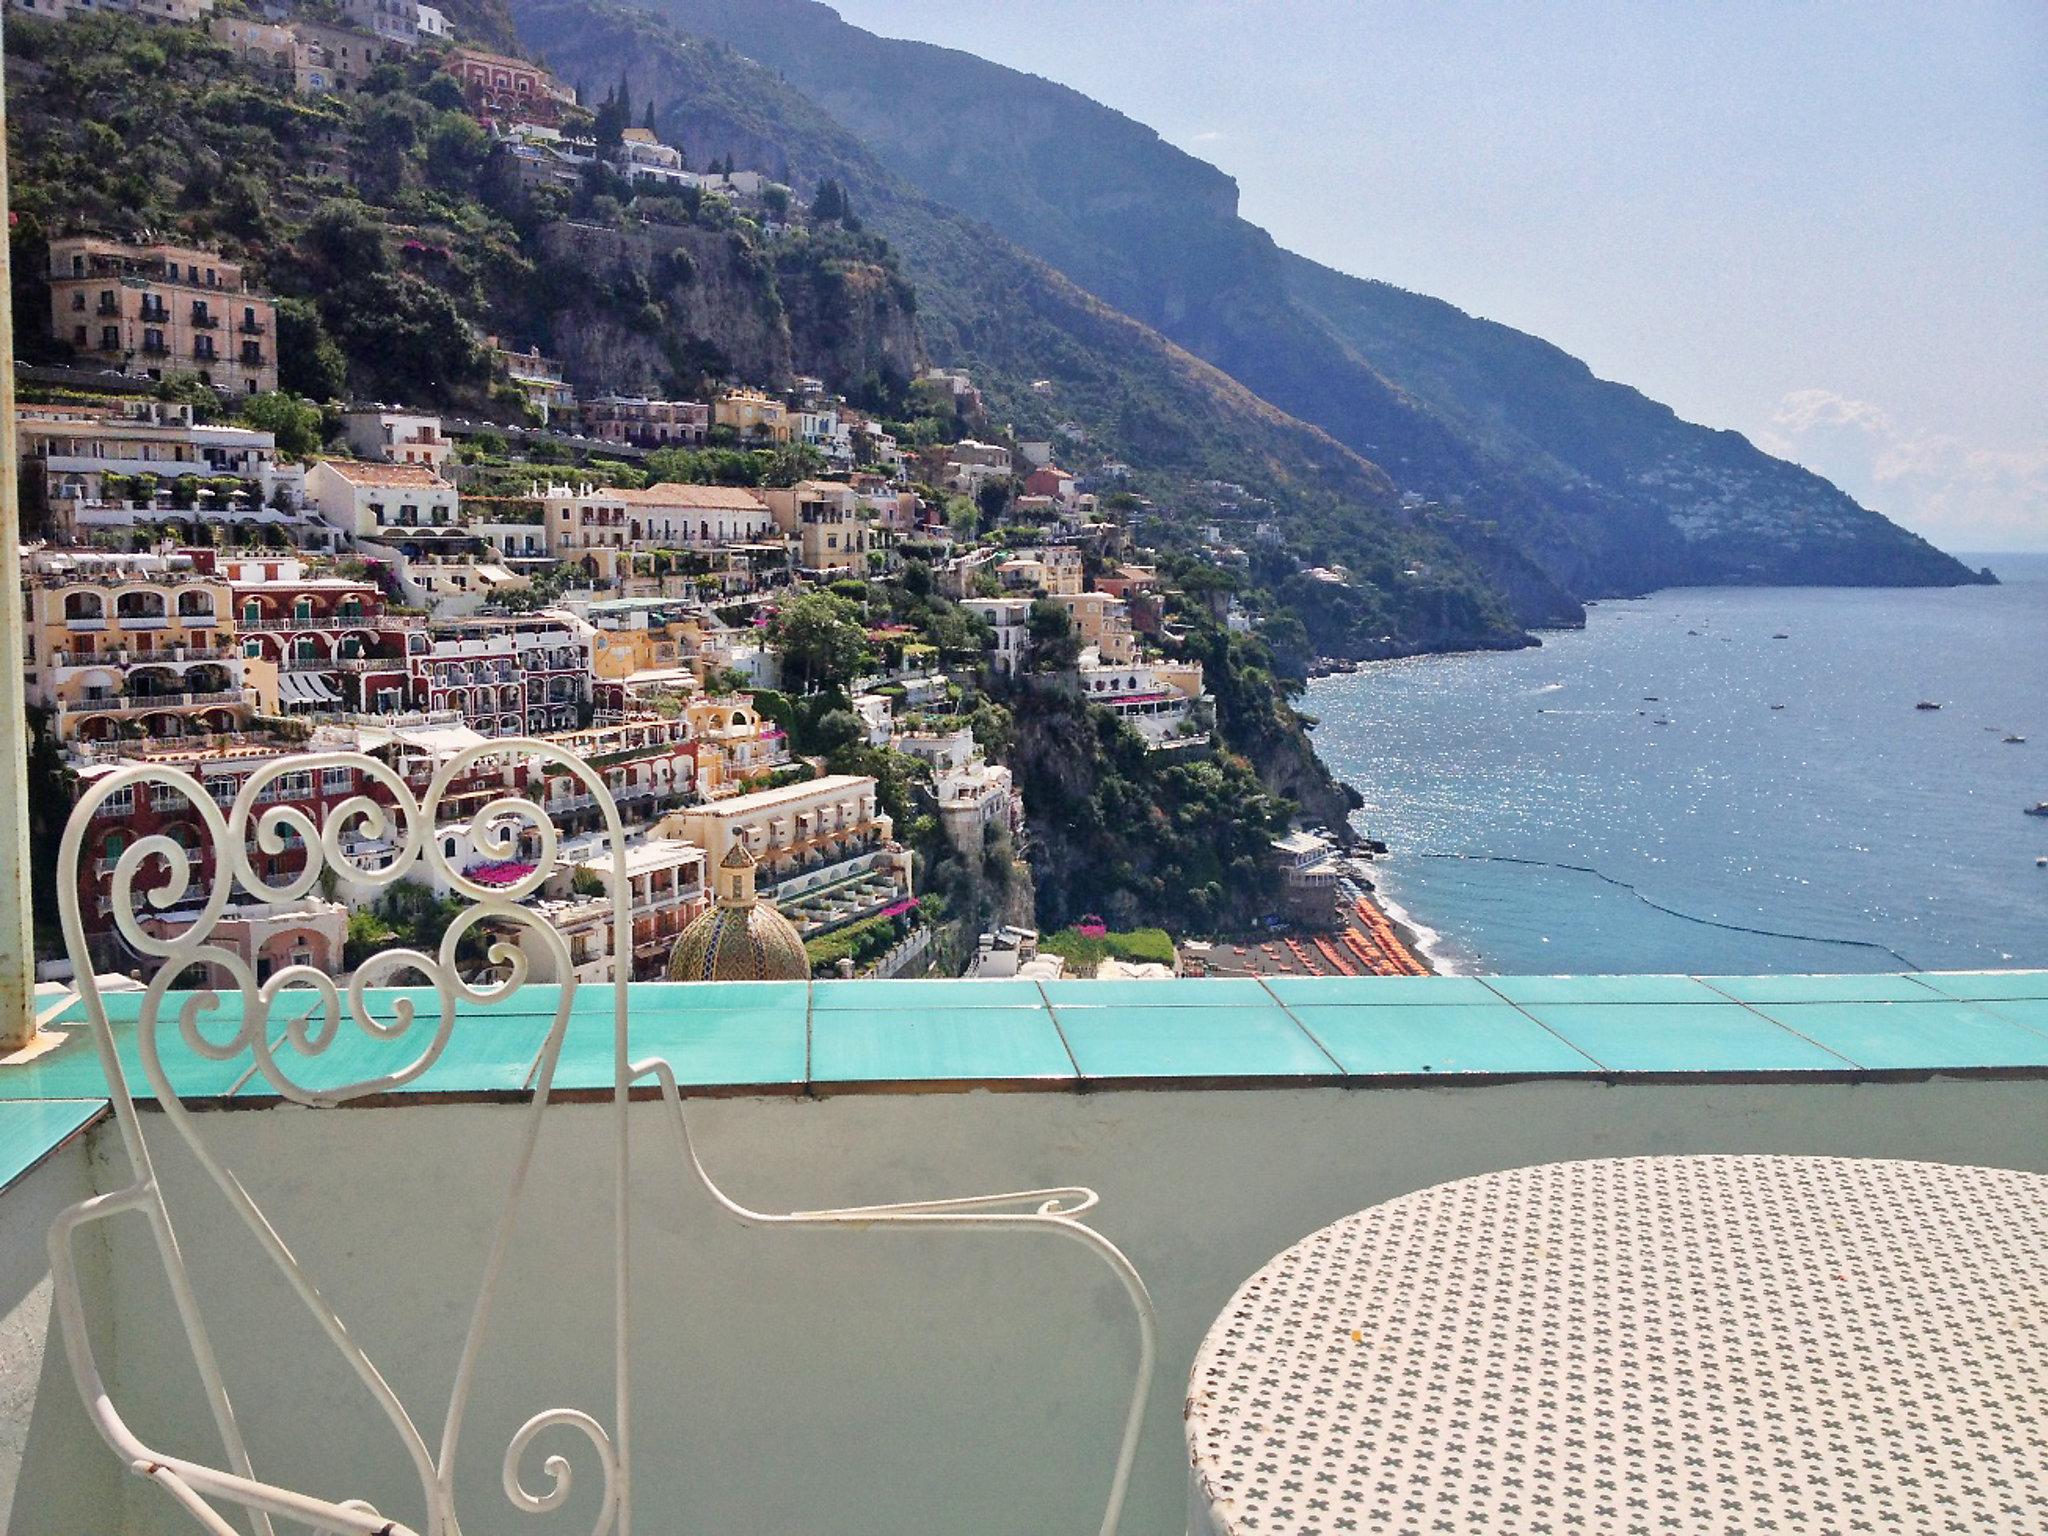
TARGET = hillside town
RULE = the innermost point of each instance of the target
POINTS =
(773, 620)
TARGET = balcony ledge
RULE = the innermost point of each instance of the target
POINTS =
(828, 1037)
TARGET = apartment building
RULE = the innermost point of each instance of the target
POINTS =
(757, 417)
(144, 463)
(503, 92)
(734, 743)
(397, 437)
(827, 522)
(604, 528)
(973, 795)
(131, 645)
(514, 676)
(370, 499)
(825, 850)
(334, 647)
(644, 423)
(649, 637)
(665, 888)
(1010, 619)
(271, 44)
(1056, 571)
(648, 763)
(395, 24)
(1100, 622)
(1157, 699)
(162, 309)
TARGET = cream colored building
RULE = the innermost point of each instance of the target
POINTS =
(1103, 622)
(132, 645)
(828, 523)
(163, 310)
(754, 415)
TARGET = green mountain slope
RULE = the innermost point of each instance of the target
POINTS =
(1607, 490)
(1057, 362)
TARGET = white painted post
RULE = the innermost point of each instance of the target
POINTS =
(17, 947)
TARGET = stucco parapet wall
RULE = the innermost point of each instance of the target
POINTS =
(833, 1037)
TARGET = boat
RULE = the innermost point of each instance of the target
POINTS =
(1781, 635)
(2038, 810)
(1777, 706)
(2041, 862)
(1927, 704)
(2015, 741)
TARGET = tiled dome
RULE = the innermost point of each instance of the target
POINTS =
(739, 937)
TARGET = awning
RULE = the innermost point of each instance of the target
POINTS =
(306, 688)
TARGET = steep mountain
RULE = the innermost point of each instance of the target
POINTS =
(1606, 490)
(1057, 362)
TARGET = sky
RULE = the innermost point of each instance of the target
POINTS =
(1823, 224)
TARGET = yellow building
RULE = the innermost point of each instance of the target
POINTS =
(1102, 621)
(828, 521)
(642, 635)
(734, 743)
(753, 415)
(163, 309)
(133, 645)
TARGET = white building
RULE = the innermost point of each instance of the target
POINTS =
(973, 794)
(1155, 698)
(397, 437)
(367, 499)
(1010, 618)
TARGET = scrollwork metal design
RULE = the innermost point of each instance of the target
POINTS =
(291, 1020)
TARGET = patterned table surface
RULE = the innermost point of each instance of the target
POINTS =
(1650, 1345)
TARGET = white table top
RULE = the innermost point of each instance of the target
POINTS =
(1669, 1346)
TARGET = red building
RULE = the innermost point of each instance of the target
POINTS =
(335, 647)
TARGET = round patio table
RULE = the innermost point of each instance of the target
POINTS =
(1664, 1346)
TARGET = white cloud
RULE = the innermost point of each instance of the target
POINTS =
(1960, 494)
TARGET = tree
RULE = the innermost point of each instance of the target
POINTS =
(1054, 647)
(820, 639)
(830, 202)
(308, 361)
(456, 150)
(295, 423)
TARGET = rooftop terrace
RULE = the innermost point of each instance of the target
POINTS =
(897, 1382)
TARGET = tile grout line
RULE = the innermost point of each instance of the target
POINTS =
(1565, 1040)
(1779, 1024)
(1314, 1038)
(1080, 1077)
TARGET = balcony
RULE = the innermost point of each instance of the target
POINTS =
(205, 322)
(983, 1377)
(252, 328)
(136, 704)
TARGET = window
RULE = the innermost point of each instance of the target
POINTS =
(336, 781)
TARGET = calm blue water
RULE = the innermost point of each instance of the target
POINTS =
(1846, 816)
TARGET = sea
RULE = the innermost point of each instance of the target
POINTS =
(1724, 781)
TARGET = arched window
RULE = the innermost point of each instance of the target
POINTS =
(252, 612)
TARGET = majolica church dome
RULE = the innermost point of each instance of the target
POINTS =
(739, 937)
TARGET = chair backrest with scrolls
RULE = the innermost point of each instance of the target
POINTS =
(285, 1022)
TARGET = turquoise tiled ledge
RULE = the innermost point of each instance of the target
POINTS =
(826, 1036)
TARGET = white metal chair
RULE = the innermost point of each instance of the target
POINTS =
(391, 815)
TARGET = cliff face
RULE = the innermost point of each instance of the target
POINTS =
(1052, 360)
(654, 307)
(849, 321)
(1603, 490)
(642, 310)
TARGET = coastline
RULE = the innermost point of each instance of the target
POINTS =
(1424, 942)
